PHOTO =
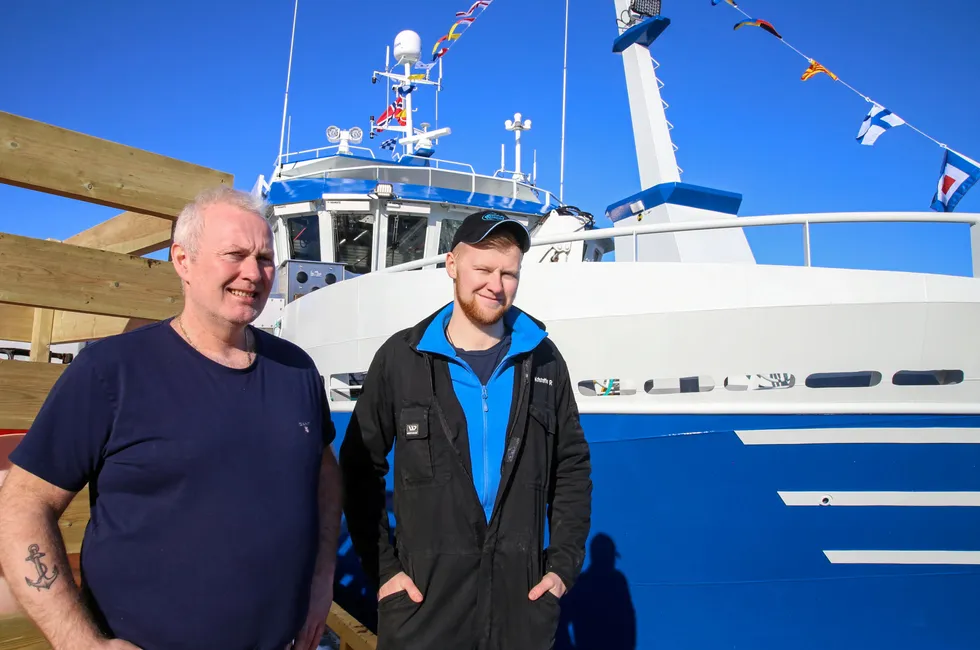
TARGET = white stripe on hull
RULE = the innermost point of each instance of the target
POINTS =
(903, 557)
(880, 498)
(918, 436)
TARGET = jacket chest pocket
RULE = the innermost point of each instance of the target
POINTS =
(540, 444)
(413, 453)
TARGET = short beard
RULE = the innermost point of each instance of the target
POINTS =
(473, 312)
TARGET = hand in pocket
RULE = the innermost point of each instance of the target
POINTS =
(400, 582)
(550, 582)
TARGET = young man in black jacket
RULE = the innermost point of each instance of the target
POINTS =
(480, 410)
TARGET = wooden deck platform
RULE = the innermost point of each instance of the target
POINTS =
(92, 285)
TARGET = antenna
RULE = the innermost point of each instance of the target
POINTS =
(516, 125)
(502, 157)
(289, 69)
(288, 131)
(438, 88)
(564, 82)
(408, 50)
(534, 170)
(387, 69)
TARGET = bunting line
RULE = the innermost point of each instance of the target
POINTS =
(751, 20)
(464, 20)
(958, 172)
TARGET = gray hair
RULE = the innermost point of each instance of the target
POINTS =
(190, 221)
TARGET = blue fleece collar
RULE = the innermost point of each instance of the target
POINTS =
(525, 334)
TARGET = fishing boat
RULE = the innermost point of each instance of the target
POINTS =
(783, 456)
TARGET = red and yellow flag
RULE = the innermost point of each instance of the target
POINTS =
(816, 68)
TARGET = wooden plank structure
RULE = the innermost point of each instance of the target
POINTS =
(92, 285)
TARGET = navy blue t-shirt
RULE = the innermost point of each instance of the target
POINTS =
(484, 362)
(203, 482)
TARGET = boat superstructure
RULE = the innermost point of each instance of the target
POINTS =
(783, 457)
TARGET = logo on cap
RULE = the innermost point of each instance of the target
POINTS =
(493, 216)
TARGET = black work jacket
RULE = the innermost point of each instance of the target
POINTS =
(474, 576)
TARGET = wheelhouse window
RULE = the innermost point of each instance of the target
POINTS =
(304, 238)
(353, 237)
(406, 239)
(447, 230)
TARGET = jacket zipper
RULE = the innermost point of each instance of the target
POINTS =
(486, 451)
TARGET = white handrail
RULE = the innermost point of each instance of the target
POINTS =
(284, 158)
(471, 175)
(341, 170)
(440, 160)
(719, 224)
(395, 165)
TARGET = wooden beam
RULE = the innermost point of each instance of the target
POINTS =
(74, 520)
(23, 389)
(61, 276)
(130, 232)
(41, 335)
(18, 632)
(50, 159)
(16, 322)
(72, 327)
(353, 635)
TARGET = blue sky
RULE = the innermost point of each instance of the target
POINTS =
(204, 81)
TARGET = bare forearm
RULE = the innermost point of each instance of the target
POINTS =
(330, 503)
(35, 563)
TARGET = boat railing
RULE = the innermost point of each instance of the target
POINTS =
(437, 163)
(341, 171)
(513, 175)
(545, 195)
(313, 154)
(805, 220)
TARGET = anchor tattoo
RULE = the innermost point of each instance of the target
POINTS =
(44, 579)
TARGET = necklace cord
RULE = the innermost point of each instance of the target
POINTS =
(249, 351)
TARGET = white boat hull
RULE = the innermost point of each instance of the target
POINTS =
(747, 508)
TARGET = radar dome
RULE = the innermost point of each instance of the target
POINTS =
(408, 47)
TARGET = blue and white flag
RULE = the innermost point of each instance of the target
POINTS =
(958, 175)
(878, 120)
(405, 89)
(389, 143)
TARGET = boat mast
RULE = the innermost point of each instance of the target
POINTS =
(289, 69)
(654, 149)
(564, 83)
(407, 52)
(407, 99)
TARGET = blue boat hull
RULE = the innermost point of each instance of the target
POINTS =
(693, 547)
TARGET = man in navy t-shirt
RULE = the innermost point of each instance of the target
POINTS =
(215, 500)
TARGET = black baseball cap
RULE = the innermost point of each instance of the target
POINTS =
(477, 226)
